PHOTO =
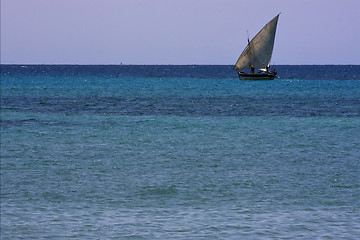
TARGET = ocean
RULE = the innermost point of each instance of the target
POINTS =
(179, 152)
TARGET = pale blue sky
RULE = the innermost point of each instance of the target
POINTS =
(176, 31)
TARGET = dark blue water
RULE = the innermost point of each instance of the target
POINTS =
(318, 72)
(179, 152)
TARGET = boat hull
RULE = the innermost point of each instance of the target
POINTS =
(257, 76)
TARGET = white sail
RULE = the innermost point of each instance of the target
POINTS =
(259, 50)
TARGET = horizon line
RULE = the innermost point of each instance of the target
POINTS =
(112, 64)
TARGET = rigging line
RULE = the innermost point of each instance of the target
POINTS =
(247, 31)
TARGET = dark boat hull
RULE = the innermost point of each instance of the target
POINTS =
(257, 76)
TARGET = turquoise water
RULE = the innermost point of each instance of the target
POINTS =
(108, 155)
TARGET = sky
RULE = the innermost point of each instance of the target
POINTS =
(176, 31)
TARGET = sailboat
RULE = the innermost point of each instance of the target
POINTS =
(257, 55)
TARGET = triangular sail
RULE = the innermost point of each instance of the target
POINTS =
(258, 52)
